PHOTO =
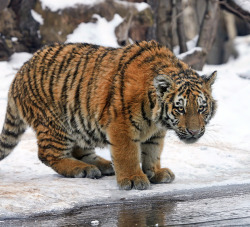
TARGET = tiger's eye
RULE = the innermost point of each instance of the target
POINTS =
(180, 109)
(201, 108)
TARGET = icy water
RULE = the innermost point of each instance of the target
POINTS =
(216, 206)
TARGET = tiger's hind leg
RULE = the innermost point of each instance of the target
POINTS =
(151, 166)
(89, 156)
(55, 151)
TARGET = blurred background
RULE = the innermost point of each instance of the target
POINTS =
(204, 30)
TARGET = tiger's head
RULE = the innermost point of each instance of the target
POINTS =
(185, 103)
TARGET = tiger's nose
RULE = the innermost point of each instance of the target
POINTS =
(193, 132)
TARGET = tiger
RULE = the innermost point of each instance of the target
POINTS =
(79, 96)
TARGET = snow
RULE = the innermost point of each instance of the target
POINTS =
(37, 17)
(244, 4)
(220, 157)
(191, 51)
(95, 222)
(139, 6)
(55, 5)
(191, 44)
(14, 39)
(101, 32)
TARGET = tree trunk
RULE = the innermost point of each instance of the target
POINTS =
(180, 27)
(162, 28)
(151, 34)
(208, 30)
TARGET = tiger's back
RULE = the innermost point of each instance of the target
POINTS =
(80, 96)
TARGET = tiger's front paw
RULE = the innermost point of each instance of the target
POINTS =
(89, 171)
(106, 168)
(139, 182)
(163, 175)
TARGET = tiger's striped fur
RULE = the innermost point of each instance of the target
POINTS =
(79, 96)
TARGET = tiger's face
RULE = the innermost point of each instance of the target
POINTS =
(186, 104)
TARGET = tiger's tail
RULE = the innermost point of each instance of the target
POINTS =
(13, 128)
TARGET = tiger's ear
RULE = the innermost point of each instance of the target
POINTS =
(163, 83)
(209, 80)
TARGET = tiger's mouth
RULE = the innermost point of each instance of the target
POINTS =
(189, 139)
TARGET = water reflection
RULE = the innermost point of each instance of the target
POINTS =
(128, 214)
(149, 214)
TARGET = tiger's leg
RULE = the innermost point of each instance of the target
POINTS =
(55, 151)
(89, 156)
(151, 152)
(125, 151)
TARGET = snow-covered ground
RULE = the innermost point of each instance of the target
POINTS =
(220, 157)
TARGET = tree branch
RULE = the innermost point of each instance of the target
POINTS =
(232, 7)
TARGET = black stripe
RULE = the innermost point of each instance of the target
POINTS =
(77, 95)
(76, 72)
(72, 119)
(92, 79)
(11, 123)
(53, 76)
(147, 60)
(7, 145)
(151, 143)
(122, 75)
(33, 95)
(171, 99)
(61, 65)
(84, 127)
(64, 93)
(65, 62)
(85, 155)
(136, 140)
(179, 65)
(97, 77)
(156, 137)
(144, 116)
(53, 58)
(10, 114)
(71, 57)
(12, 86)
(162, 111)
(35, 80)
(52, 140)
(152, 104)
(63, 138)
(42, 68)
(102, 135)
(100, 65)
(111, 92)
(78, 90)
(50, 146)
(133, 123)
(11, 133)
(38, 133)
